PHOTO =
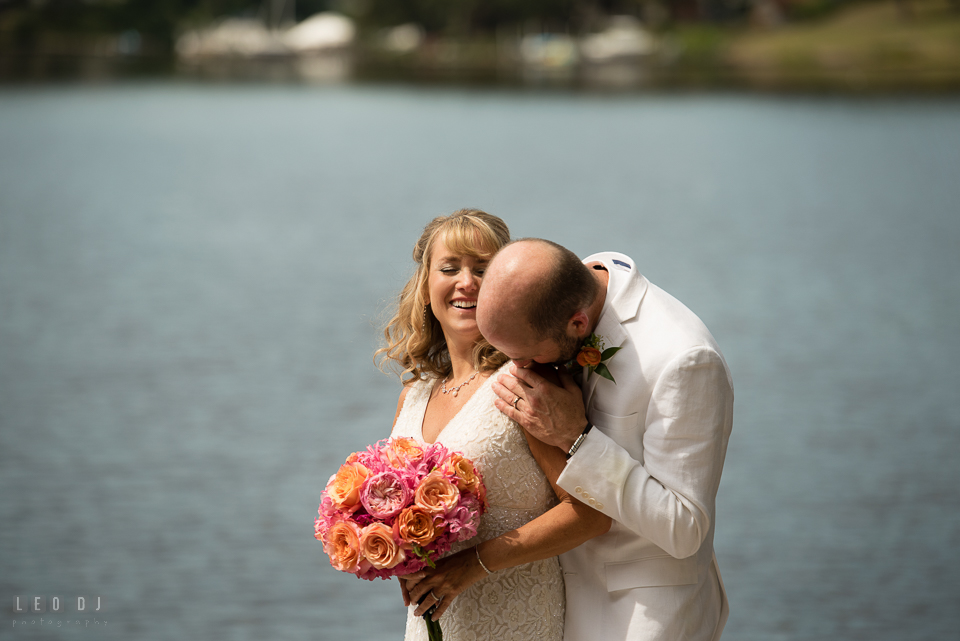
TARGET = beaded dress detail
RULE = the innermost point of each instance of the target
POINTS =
(523, 603)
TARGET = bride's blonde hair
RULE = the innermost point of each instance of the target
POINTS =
(413, 339)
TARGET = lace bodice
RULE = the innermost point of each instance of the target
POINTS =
(517, 492)
(516, 487)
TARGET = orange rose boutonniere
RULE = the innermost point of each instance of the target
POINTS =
(589, 356)
(593, 356)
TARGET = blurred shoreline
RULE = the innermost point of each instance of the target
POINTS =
(885, 47)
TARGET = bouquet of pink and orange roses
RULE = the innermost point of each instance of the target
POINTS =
(397, 506)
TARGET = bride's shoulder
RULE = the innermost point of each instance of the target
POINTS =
(503, 369)
(487, 402)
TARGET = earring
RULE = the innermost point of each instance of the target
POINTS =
(423, 326)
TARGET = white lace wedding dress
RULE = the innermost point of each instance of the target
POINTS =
(523, 603)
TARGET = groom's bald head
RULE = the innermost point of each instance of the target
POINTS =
(531, 289)
(511, 281)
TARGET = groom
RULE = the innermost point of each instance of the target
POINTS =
(646, 450)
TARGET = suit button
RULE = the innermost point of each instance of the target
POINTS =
(592, 501)
(599, 506)
(585, 495)
(578, 490)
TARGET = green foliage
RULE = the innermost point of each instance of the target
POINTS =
(701, 43)
(423, 555)
(607, 353)
(158, 20)
(461, 17)
(602, 370)
(811, 9)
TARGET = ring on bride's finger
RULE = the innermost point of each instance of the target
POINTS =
(435, 597)
(515, 401)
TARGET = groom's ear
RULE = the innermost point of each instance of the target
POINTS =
(580, 324)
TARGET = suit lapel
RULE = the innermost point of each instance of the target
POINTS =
(625, 290)
(612, 333)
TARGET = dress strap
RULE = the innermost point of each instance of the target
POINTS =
(414, 407)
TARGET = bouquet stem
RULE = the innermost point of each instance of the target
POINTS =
(434, 633)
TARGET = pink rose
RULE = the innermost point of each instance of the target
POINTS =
(343, 546)
(379, 547)
(385, 494)
(436, 494)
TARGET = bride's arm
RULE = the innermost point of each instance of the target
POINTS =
(554, 532)
(558, 530)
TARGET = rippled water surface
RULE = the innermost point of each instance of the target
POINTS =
(190, 285)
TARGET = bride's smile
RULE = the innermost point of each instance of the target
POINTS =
(453, 285)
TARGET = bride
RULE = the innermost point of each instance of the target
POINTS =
(506, 582)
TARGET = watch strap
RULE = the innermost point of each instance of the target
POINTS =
(580, 439)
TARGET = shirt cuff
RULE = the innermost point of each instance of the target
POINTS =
(580, 473)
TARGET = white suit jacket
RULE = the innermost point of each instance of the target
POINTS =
(652, 462)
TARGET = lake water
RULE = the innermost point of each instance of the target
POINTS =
(191, 279)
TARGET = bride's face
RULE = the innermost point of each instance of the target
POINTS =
(453, 284)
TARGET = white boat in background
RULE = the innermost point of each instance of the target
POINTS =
(320, 32)
(249, 37)
(623, 38)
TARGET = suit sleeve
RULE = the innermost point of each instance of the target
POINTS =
(669, 496)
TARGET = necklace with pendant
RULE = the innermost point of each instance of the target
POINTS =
(456, 390)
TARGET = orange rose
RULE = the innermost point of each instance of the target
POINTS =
(343, 546)
(482, 495)
(588, 356)
(415, 525)
(378, 546)
(344, 490)
(402, 450)
(436, 494)
(464, 473)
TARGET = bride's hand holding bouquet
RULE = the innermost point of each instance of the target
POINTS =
(451, 576)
